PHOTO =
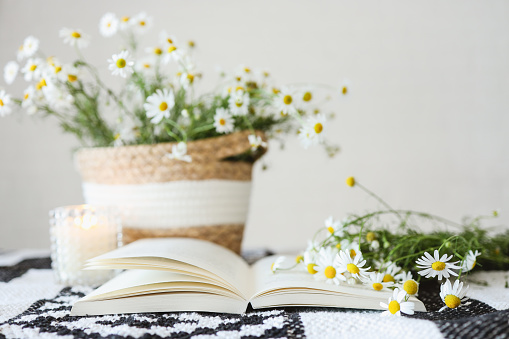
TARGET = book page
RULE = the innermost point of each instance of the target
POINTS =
(297, 287)
(198, 253)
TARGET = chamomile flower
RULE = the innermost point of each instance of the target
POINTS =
(409, 285)
(20, 54)
(375, 281)
(436, 266)
(70, 73)
(391, 271)
(30, 99)
(397, 304)
(470, 261)
(256, 142)
(310, 261)
(30, 46)
(172, 53)
(159, 104)
(223, 121)
(5, 104)
(316, 125)
(54, 68)
(276, 264)
(305, 137)
(305, 97)
(145, 65)
(57, 99)
(74, 37)
(32, 69)
(328, 266)
(108, 25)
(354, 266)
(121, 64)
(239, 103)
(125, 23)
(187, 79)
(452, 295)
(352, 247)
(179, 152)
(11, 71)
(335, 227)
(156, 51)
(141, 23)
(285, 102)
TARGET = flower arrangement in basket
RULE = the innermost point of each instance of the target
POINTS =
(178, 163)
(363, 250)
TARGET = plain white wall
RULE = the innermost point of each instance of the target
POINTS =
(426, 125)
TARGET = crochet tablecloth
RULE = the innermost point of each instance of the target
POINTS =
(33, 305)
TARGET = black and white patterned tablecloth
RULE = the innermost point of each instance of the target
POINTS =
(32, 305)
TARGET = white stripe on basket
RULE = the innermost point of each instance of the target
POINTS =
(175, 203)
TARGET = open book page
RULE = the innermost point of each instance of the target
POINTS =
(299, 288)
(182, 255)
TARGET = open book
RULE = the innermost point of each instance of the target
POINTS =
(182, 274)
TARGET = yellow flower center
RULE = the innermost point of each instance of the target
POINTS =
(247, 70)
(1, 102)
(33, 67)
(171, 49)
(272, 267)
(163, 106)
(158, 51)
(146, 65)
(352, 268)
(318, 128)
(117, 136)
(191, 43)
(26, 96)
(338, 246)
(311, 268)
(222, 122)
(299, 259)
(239, 102)
(330, 229)
(473, 265)
(190, 77)
(76, 35)
(350, 181)
(438, 266)
(307, 96)
(121, 63)
(388, 278)
(410, 287)
(125, 19)
(41, 84)
(330, 272)
(275, 91)
(58, 69)
(287, 99)
(108, 24)
(266, 74)
(452, 301)
(344, 90)
(377, 286)
(170, 41)
(239, 88)
(72, 78)
(394, 307)
(370, 236)
(142, 23)
(352, 254)
(239, 79)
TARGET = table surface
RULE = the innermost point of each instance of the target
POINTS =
(33, 305)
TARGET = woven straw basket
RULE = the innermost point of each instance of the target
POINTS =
(207, 198)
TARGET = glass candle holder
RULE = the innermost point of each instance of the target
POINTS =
(79, 233)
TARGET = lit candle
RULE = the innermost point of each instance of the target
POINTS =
(79, 233)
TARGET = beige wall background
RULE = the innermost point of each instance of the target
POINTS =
(426, 125)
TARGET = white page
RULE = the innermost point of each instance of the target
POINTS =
(206, 255)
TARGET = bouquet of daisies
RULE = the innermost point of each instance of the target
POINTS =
(157, 100)
(360, 250)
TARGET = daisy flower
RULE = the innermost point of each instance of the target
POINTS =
(108, 25)
(352, 248)
(436, 266)
(354, 266)
(328, 266)
(276, 264)
(74, 37)
(179, 152)
(256, 142)
(310, 261)
(70, 73)
(239, 102)
(285, 102)
(335, 227)
(5, 104)
(30, 46)
(375, 279)
(452, 295)
(410, 286)
(316, 125)
(470, 261)
(145, 65)
(391, 272)
(159, 104)
(223, 121)
(29, 100)
(121, 64)
(172, 53)
(305, 137)
(305, 97)
(396, 304)
(156, 51)
(125, 23)
(32, 69)
(187, 80)
(141, 22)
(10, 71)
